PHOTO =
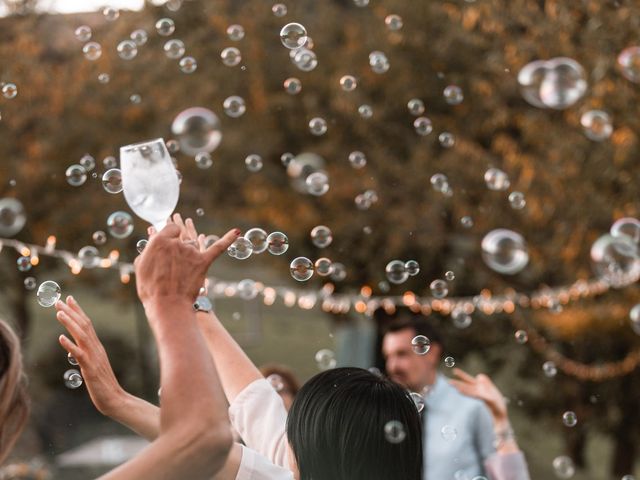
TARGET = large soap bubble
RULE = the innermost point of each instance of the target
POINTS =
(198, 130)
(505, 251)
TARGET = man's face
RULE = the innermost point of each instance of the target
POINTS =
(406, 367)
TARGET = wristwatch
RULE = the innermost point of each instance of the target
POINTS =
(203, 304)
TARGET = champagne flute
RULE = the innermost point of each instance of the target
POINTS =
(149, 181)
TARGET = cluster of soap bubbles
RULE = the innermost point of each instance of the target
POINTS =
(616, 256)
(398, 271)
(557, 83)
(256, 240)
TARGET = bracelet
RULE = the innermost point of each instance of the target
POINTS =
(503, 436)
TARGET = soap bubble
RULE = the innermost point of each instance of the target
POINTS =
(198, 130)
(461, 319)
(24, 264)
(323, 266)
(325, 359)
(174, 48)
(505, 251)
(394, 432)
(139, 36)
(89, 256)
(188, 65)
(165, 27)
(466, 221)
(48, 293)
(127, 49)
(521, 337)
(301, 269)
(234, 106)
(379, 62)
(453, 95)
(293, 35)
(423, 126)
(83, 33)
(348, 83)
(286, 158)
(321, 236)
(240, 249)
(627, 227)
(305, 59)
(318, 126)
(440, 182)
(439, 288)
(120, 224)
(449, 433)
(99, 237)
(203, 160)
(104, 78)
(365, 111)
(418, 401)
(557, 83)
(279, 10)
(317, 183)
(421, 344)
(235, 32)
(447, 139)
(71, 359)
(92, 51)
(412, 267)
(563, 467)
(112, 181)
(450, 362)
(596, 125)
(72, 379)
(247, 289)
(549, 368)
(253, 162)
(530, 78)
(12, 217)
(30, 283)
(339, 272)
(517, 200)
(357, 159)
(634, 317)
(415, 106)
(496, 179)
(277, 243)
(200, 212)
(258, 238)
(292, 86)
(276, 382)
(231, 56)
(87, 162)
(393, 22)
(110, 14)
(629, 63)
(141, 245)
(615, 260)
(570, 419)
(396, 272)
(450, 276)
(76, 175)
(109, 162)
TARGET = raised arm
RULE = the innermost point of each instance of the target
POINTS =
(194, 438)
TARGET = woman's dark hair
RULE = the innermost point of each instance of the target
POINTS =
(336, 428)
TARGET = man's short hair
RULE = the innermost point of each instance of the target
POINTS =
(418, 323)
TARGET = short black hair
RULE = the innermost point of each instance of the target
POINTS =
(419, 324)
(336, 428)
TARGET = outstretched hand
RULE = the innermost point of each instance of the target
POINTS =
(101, 382)
(482, 388)
(175, 262)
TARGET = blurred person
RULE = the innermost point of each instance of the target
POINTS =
(194, 438)
(449, 411)
(283, 380)
(334, 431)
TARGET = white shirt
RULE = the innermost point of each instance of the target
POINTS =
(254, 466)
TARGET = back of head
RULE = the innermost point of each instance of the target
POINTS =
(336, 428)
(14, 402)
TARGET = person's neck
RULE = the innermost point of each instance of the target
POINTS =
(430, 380)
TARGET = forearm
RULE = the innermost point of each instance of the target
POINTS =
(505, 437)
(235, 368)
(138, 415)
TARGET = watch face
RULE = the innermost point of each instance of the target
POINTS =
(203, 304)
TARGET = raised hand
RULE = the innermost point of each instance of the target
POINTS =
(104, 389)
(482, 388)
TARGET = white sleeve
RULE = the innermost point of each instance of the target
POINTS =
(254, 466)
(508, 466)
(259, 416)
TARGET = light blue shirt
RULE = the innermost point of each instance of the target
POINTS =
(458, 434)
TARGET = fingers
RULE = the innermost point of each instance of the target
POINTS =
(464, 376)
(72, 327)
(221, 245)
(191, 229)
(202, 242)
(170, 231)
(151, 231)
(71, 348)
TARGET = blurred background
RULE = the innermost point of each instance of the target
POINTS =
(561, 182)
